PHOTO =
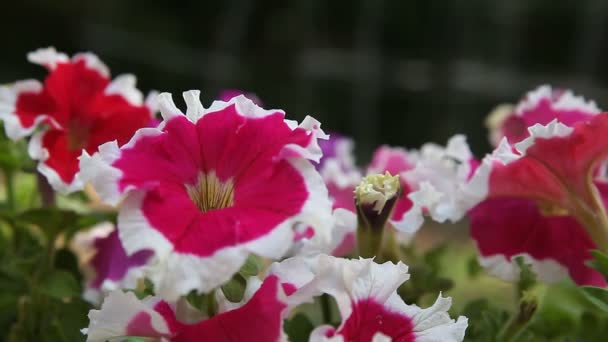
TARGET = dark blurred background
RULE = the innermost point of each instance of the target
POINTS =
(401, 72)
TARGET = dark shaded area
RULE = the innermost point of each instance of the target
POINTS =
(384, 71)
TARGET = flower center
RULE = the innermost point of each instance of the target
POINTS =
(210, 193)
(77, 135)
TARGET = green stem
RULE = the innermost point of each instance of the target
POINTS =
(325, 308)
(47, 194)
(9, 180)
(211, 304)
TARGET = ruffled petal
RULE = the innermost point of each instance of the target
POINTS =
(123, 315)
(110, 268)
(540, 106)
(366, 294)
(81, 108)
(554, 246)
(208, 188)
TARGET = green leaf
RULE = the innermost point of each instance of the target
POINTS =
(234, 289)
(50, 220)
(251, 267)
(197, 300)
(67, 261)
(298, 328)
(527, 277)
(600, 263)
(597, 295)
(60, 285)
(473, 267)
(67, 320)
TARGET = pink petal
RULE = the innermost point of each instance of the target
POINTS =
(510, 227)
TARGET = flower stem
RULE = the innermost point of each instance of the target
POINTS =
(325, 308)
(211, 304)
(47, 194)
(9, 181)
(518, 322)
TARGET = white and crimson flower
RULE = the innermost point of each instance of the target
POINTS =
(543, 199)
(122, 314)
(366, 295)
(341, 176)
(80, 108)
(432, 181)
(106, 265)
(206, 189)
(540, 106)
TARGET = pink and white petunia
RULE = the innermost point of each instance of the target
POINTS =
(106, 264)
(541, 201)
(366, 295)
(207, 188)
(341, 176)
(80, 107)
(432, 181)
(540, 106)
(122, 314)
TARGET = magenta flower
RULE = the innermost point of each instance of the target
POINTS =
(207, 188)
(432, 182)
(543, 201)
(366, 295)
(539, 106)
(81, 108)
(122, 314)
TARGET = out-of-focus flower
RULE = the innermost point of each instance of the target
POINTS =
(227, 94)
(206, 189)
(542, 202)
(122, 314)
(80, 107)
(539, 106)
(432, 181)
(341, 176)
(106, 265)
(366, 295)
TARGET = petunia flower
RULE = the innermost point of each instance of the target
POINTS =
(207, 188)
(367, 299)
(341, 176)
(122, 314)
(80, 108)
(540, 106)
(432, 182)
(106, 265)
(542, 201)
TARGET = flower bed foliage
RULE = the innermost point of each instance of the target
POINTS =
(234, 223)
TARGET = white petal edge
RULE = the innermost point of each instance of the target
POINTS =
(41, 154)
(551, 130)
(177, 274)
(117, 310)
(48, 57)
(97, 169)
(92, 62)
(548, 271)
(8, 100)
(125, 86)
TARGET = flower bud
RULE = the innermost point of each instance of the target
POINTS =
(375, 198)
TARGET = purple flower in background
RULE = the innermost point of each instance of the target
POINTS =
(227, 94)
